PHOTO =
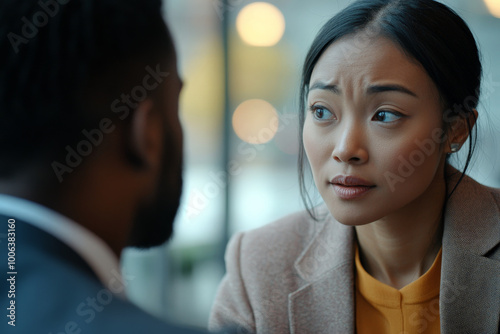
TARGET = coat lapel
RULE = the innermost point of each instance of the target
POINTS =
(470, 281)
(326, 303)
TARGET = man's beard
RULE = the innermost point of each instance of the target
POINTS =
(153, 223)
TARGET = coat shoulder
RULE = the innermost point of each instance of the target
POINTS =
(274, 247)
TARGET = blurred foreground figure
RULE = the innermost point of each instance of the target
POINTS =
(91, 160)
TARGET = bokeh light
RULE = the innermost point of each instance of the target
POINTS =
(255, 121)
(493, 7)
(264, 73)
(260, 24)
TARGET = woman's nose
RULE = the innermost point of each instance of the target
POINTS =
(349, 146)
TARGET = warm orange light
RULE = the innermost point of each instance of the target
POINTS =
(260, 24)
(255, 121)
(493, 7)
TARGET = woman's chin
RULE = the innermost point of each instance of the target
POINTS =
(350, 218)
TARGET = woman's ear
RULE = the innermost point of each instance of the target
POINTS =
(146, 135)
(460, 131)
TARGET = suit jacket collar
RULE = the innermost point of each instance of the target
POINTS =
(326, 304)
(85, 243)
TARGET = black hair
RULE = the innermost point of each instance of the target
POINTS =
(427, 31)
(63, 62)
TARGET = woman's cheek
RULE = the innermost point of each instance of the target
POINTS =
(312, 145)
(409, 167)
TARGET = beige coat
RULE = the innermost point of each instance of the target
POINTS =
(296, 275)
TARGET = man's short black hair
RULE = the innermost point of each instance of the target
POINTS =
(63, 62)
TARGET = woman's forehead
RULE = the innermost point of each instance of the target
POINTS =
(350, 61)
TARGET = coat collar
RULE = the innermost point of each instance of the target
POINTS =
(472, 219)
(331, 246)
(326, 303)
(471, 230)
(470, 281)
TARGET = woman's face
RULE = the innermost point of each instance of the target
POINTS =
(372, 133)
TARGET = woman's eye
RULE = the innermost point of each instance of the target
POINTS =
(321, 113)
(385, 116)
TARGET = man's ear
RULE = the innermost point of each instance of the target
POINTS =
(459, 131)
(146, 135)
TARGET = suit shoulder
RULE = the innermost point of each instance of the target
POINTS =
(57, 290)
(125, 317)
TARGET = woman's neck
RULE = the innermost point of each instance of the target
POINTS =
(397, 250)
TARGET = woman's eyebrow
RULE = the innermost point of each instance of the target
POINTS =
(374, 89)
(323, 86)
(390, 88)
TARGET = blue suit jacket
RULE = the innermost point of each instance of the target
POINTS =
(57, 292)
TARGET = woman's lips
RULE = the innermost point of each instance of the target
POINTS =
(350, 187)
(350, 192)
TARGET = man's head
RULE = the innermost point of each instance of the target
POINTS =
(88, 114)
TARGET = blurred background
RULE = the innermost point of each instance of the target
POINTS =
(241, 62)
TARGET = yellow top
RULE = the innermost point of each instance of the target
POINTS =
(381, 308)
